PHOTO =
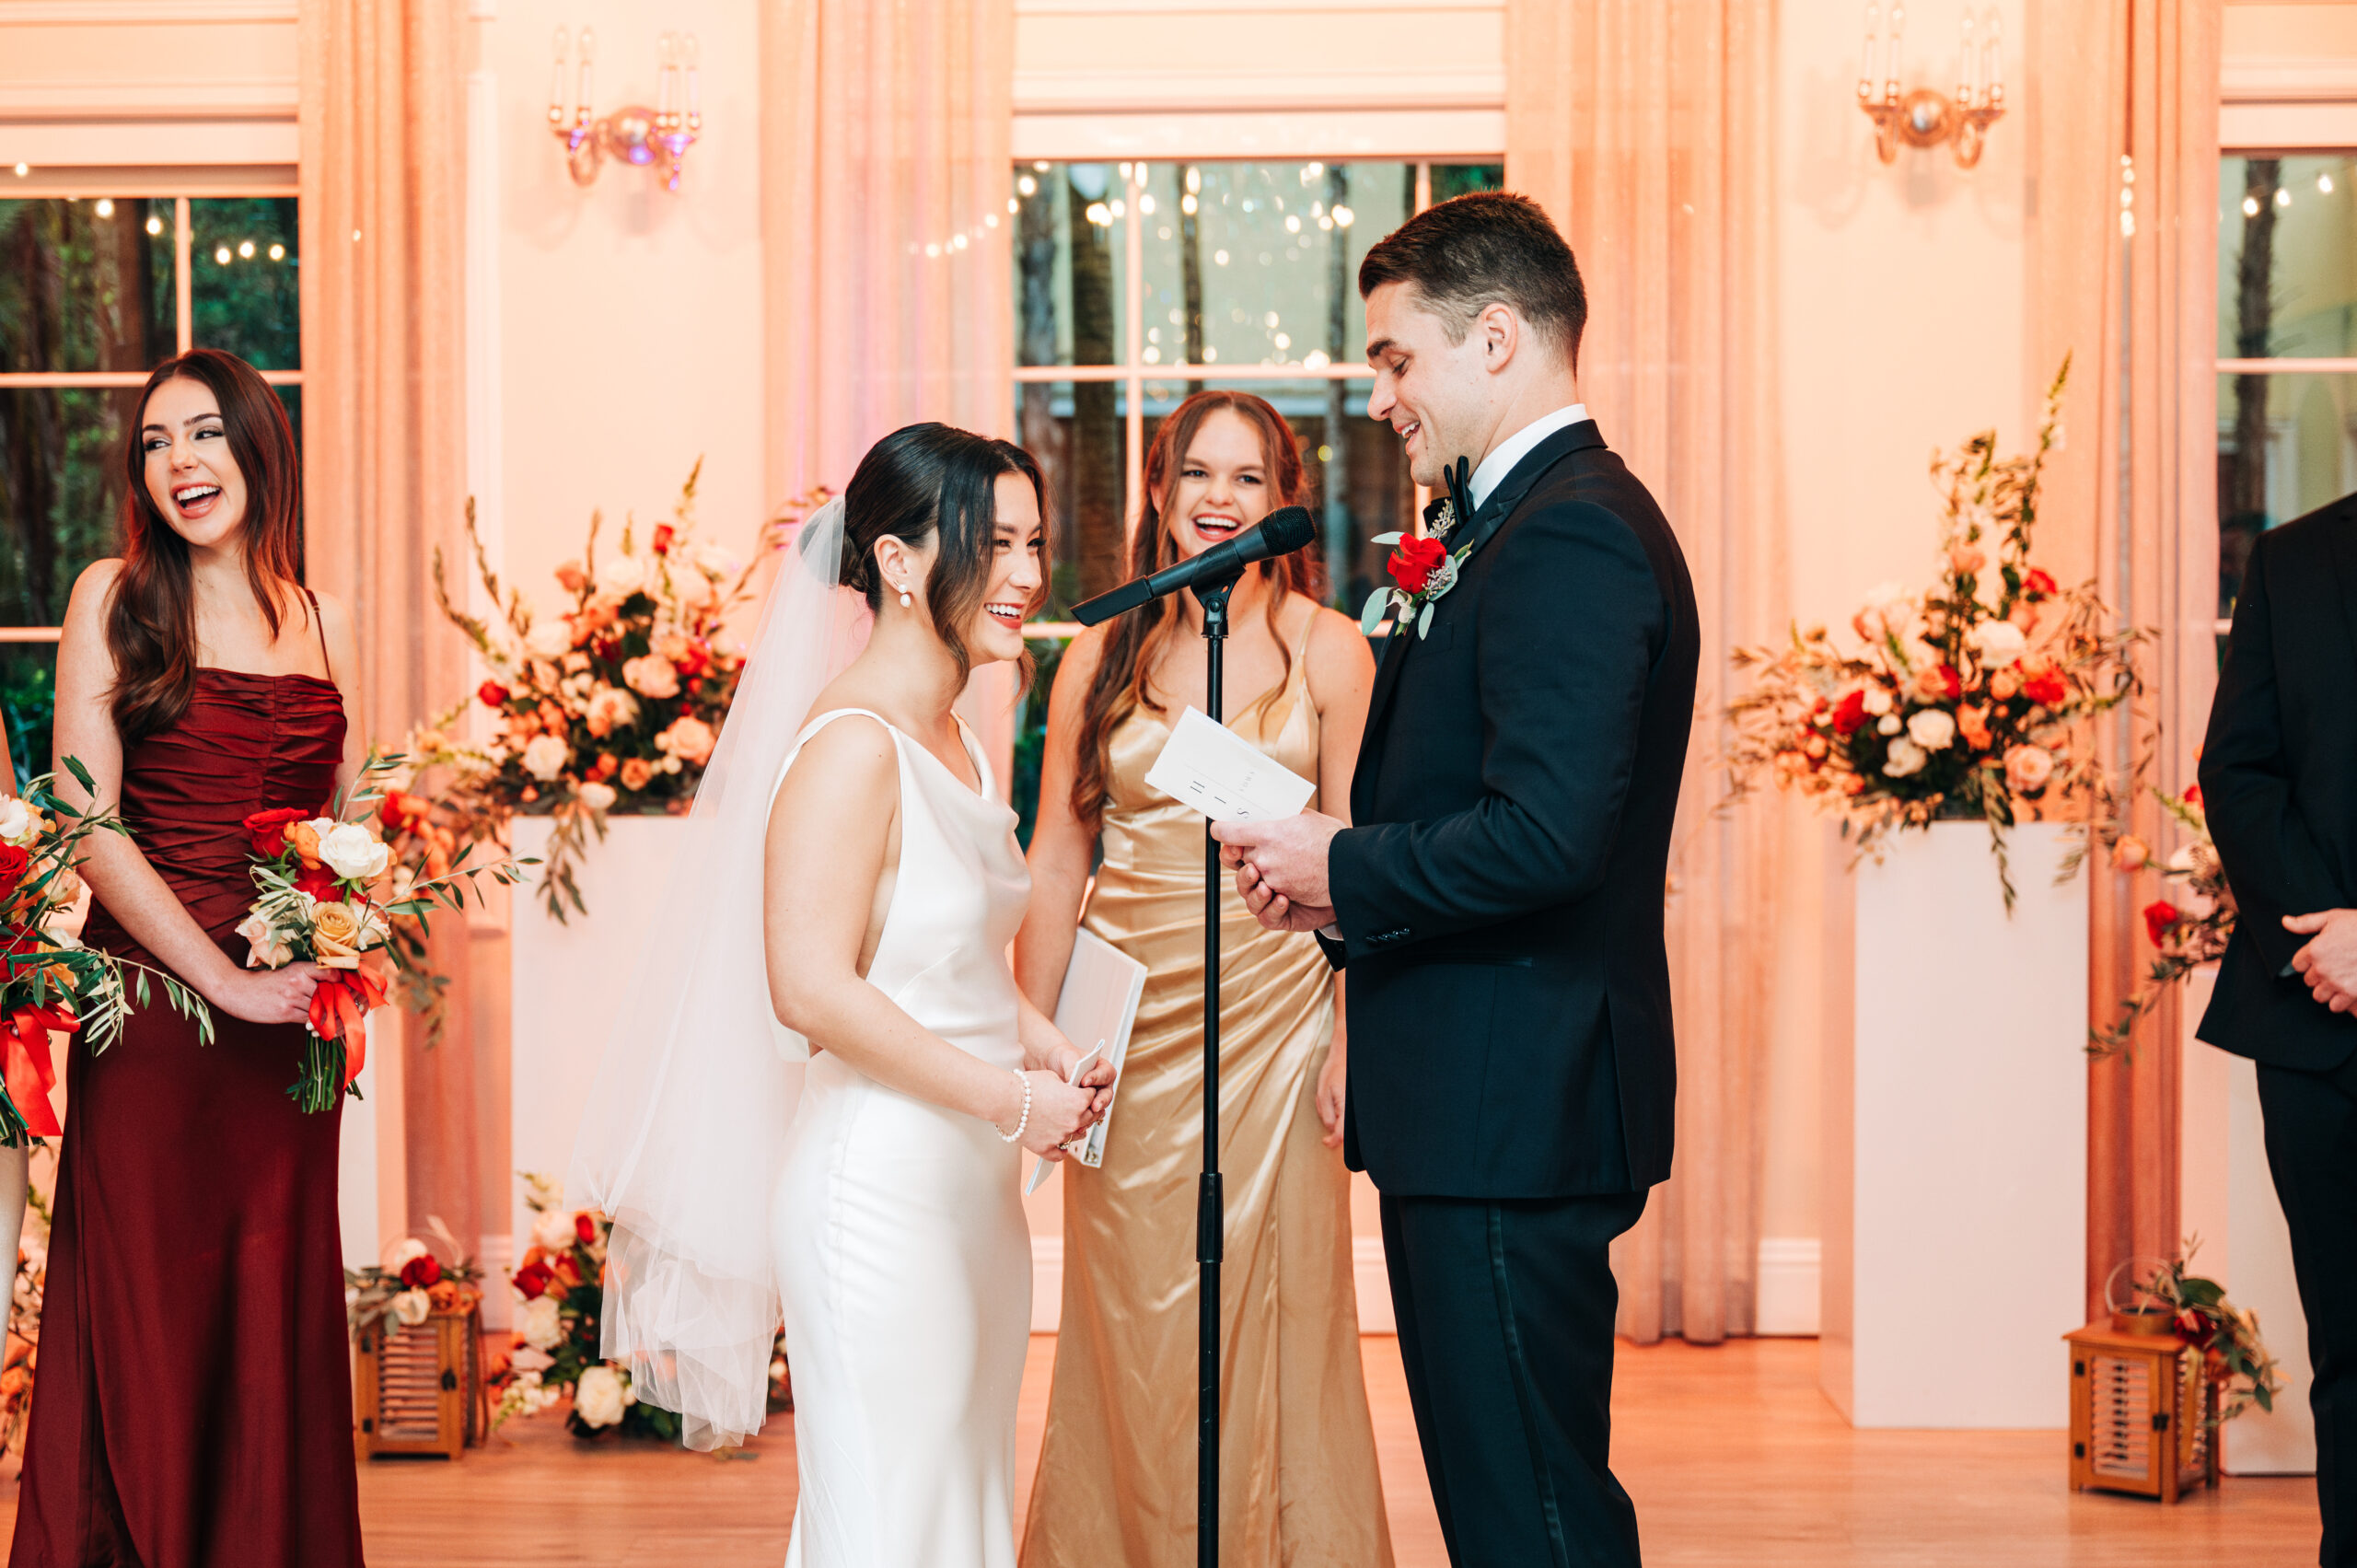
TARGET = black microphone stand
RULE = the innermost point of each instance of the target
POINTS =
(1210, 1204)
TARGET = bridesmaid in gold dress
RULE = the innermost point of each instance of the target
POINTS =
(1117, 1476)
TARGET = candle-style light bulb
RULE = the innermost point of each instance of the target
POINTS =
(1993, 71)
(667, 51)
(1967, 58)
(581, 87)
(694, 55)
(1866, 55)
(1898, 26)
(563, 45)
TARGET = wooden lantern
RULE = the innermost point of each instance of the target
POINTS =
(2143, 1411)
(419, 1389)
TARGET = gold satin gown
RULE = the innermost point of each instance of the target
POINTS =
(1298, 1486)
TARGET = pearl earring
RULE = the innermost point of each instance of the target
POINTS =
(904, 599)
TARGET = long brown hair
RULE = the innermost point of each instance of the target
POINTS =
(151, 614)
(1120, 687)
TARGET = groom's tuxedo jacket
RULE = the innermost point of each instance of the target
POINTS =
(1500, 898)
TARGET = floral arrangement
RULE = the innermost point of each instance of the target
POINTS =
(1969, 702)
(23, 1354)
(412, 1284)
(2227, 1335)
(613, 702)
(49, 982)
(2188, 933)
(560, 1282)
(329, 895)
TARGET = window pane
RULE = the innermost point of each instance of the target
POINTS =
(1070, 234)
(61, 455)
(2287, 445)
(2287, 257)
(1264, 269)
(243, 286)
(27, 700)
(1074, 429)
(1464, 179)
(85, 285)
(1355, 470)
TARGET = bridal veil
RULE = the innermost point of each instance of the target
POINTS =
(686, 1123)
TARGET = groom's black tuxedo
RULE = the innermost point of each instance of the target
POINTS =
(1512, 1068)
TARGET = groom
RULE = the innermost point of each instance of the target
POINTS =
(1499, 903)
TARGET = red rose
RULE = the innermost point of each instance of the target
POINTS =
(493, 693)
(13, 863)
(1850, 716)
(532, 1281)
(402, 812)
(268, 829)
(585, 1228)
(692, 658)
(2159, 915)
(2037, 584)
(2046, 689)
(1951, 681)
(1414, 561)
(319, 882)
(420, 1272)
(661, 543)
(2192, 795)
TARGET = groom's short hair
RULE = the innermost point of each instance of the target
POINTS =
(1470, 252)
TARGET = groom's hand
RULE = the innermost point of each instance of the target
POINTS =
(1281, 868)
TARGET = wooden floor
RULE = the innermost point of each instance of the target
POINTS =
(1731, 1453)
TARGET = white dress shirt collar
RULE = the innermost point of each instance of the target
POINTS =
(1514, 448)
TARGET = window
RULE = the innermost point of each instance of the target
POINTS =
(1136, 283)
(2287, 346)
(95, 291)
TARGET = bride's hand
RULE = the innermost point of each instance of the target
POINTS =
(1060, 1112)
(1099, 1077)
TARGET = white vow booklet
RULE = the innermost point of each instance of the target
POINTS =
(1099, 1002)
(1208, 766)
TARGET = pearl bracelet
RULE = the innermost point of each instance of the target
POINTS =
(1025, 1120)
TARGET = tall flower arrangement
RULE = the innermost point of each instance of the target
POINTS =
(1969, 700)
(610, 703)
(559, 1285)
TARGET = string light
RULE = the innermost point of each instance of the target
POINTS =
(2283, 196)
(2324, 184)
(278, 252)
(154, 225)
(220, 257)
(2250, 207)
(1027, 186)
(23, 170)
(246, 251)
(106, 207)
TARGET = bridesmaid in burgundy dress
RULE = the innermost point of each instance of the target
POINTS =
(194, 1405)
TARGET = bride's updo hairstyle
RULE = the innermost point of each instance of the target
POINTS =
(934, 479)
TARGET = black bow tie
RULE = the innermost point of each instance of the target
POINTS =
(1457, 496)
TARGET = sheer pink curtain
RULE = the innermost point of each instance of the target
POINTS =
(2127, 107)
(1646, 128)
(885, 173)
(383, 167)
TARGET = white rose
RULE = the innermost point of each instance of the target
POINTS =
(598, 796)
(545, 757)
(1999, 642)
(542, 1329)
(1904, 758)
(597, 1398)
(531, 1363)
(553, 1231)
(1934, 729)
(621, 576)
(1877, 700)
(693, 589)
(713, 561)
(411, 1307)
(15, 823)
(1886, 725)
(402, 1252)
(352, 852)
(549, 639)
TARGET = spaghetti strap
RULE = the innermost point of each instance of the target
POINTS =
(319, 623)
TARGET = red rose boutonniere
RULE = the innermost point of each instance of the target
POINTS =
(1422, 570)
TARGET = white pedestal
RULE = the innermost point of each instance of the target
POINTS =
(1955, 1117)
(568, 983)
(372, 1165)
(2226, 1197)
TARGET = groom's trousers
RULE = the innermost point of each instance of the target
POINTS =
(1505, 1312)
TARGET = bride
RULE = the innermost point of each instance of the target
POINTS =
(838, 1149)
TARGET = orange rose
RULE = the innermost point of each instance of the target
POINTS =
(571, 577)
(1973, 725)
(636, 772)
(303, 839)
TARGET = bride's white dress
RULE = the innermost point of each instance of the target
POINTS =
(902, 1250)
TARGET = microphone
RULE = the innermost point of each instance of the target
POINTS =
(1280, 533)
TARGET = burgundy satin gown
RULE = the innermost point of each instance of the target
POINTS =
(194, 1402)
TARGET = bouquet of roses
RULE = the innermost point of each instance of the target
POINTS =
(326, 896)
(412, 1284)
(50, 983)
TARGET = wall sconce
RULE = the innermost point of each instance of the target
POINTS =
(634, 133)
(1926, 117)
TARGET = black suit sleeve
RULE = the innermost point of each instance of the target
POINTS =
(1572, 619)
(2272, 859)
